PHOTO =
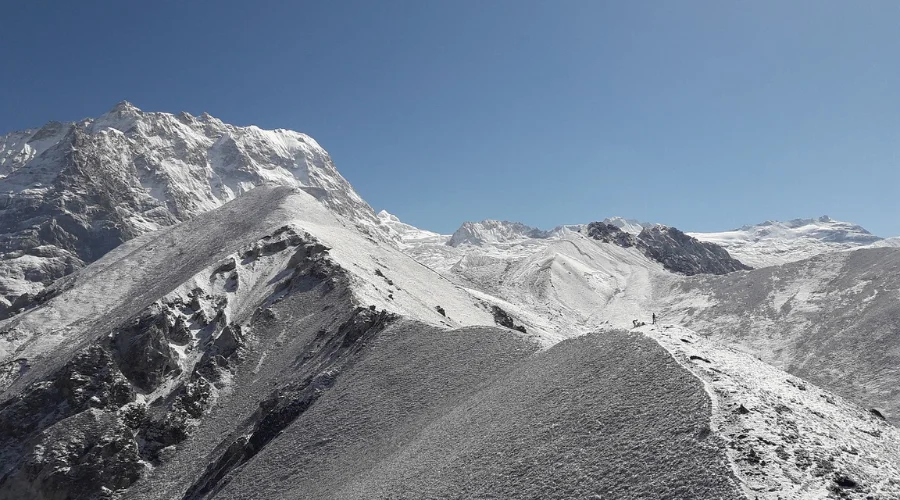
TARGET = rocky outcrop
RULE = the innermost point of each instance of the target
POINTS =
(684, 254)
(608, 233)
(503, 319)
(122, 404)
(61, 437)
(317, 374)
(86, 456)
(142, 348)
(675, 250)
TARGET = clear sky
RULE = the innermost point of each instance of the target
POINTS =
(705, 115)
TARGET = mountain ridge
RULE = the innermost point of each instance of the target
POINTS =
(278, 337)
(71, 192)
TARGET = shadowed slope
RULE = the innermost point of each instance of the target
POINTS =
(471, 414)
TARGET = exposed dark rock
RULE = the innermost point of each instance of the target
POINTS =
(82, 457)
(66, 433)
(90, 380)
(229, 265)
(503, 319)
(179, 333)
(440, 310)
(845, 482)
(229, 340)
(684, 254)
(672, 248)
(609, 233)
(284, 405)
(142, 349)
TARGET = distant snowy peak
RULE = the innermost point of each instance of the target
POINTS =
(630, 226)
(774, 242)
(823, 228)
(887, 242)
(407, 235)
(494, 231)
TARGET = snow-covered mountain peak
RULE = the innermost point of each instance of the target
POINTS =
(105, 180)
(386, 216)
(122, 117)
(125, 108)
(406, 235)
(628, 225)
(776, 242)
(799, 228)
(491, 231)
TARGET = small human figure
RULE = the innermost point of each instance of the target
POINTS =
(634, 323)
(654, 318)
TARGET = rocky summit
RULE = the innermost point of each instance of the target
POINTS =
(196, 310)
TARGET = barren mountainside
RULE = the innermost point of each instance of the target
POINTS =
(195, 310)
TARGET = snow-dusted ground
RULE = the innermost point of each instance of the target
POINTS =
(787, 438)
(570, 284)
(566, 283)
(830, 318)
(115, 287)
(790, 440)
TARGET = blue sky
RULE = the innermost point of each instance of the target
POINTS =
(706, 115)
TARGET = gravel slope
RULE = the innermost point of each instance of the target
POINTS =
(471, 413)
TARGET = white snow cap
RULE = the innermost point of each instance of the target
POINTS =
(628, 225)
(774, 242)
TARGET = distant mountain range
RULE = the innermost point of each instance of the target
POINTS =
(190, 309)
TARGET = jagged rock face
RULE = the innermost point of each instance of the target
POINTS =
(69, 193)
(124, 402)
(609, 233)
(143, 350)
(675, 250)
(86, 456)
(686, 255)
(503, 319)
(281, 408)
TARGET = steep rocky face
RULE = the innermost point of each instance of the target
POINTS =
(609, 233)
(675, 250)
(70, 193)
(123, 402)
(683, 254)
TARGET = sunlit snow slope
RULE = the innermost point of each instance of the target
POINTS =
(70, 192)
(773, 242)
